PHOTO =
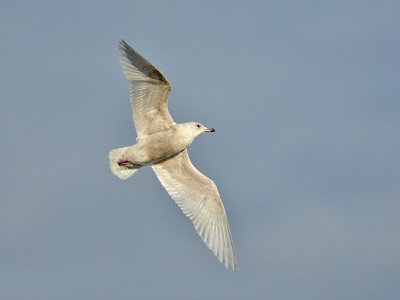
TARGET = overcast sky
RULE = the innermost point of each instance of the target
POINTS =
(305, 100)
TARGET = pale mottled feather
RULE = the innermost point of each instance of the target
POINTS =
(149, 91)
(199, 199)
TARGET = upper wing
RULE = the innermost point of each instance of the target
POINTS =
(149, 91)
(198, 198)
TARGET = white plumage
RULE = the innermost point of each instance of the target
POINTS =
(162, 144)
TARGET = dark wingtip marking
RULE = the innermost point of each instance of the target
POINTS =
(148, 69)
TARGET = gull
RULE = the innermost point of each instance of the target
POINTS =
(161, 143)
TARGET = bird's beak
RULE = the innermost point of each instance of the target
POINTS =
(210, 130)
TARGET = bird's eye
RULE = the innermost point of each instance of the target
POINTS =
(198, 125)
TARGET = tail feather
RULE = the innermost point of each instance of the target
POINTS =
(122, 172)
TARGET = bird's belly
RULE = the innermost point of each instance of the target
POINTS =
(153, 151)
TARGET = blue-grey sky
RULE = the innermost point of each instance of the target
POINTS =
(305, 100)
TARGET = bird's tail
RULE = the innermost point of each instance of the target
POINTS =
(121, 171)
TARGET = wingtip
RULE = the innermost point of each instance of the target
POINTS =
(131, 60)
(126, 50)
(235, 266)
(232, 265)
(122, 45)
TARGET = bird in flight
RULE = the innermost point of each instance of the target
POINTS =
(161, 143)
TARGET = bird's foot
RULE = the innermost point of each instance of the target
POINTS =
(124, 162)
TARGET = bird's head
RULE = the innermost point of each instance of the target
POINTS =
(191, 130)
(196, 128)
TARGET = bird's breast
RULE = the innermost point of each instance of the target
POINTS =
(159, 146)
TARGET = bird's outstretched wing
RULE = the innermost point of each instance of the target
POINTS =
(149, 91)
(198, 197)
